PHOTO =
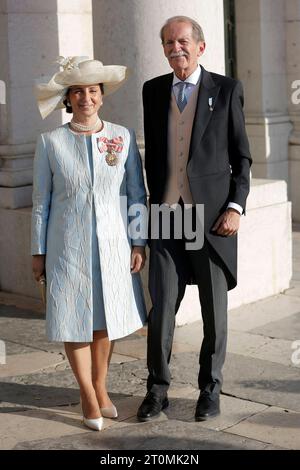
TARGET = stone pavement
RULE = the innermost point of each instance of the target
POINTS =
(39, 399)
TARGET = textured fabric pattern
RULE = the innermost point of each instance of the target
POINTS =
(63, 199)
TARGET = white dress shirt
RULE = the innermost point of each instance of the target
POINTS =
(191, 82)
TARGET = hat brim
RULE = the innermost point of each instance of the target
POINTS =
(50, 95)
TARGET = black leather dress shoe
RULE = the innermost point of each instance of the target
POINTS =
(208, 406)
(151, 407)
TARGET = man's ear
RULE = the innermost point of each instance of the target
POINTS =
(201, 48)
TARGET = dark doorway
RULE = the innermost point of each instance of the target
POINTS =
(230, 38)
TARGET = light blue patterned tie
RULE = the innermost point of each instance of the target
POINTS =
(181, 100)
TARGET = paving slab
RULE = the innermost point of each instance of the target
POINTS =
(248, 378)
(262, 381)
(233, 410)
(130, 378)
(245, 377)
(47, 389)
(66, 420)
(260, 401)
(12, 347)
(126, 405)
(42, 423)
(179, 347)
(22, 302)
(274, 425)
(40, 389)
(34, 424)
(250, 316)
(287, 328)
(11, 312)
(246, 318)
(136, 348)
(182, 391)
(166, 434)
(27, 328)
(120, 358)
(191, 334)
(260, 347)
(20, 364)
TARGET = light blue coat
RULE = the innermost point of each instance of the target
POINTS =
(63, 199)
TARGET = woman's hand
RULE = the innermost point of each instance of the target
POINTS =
(138, 258)
(38, 266)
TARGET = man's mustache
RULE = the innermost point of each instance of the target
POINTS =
(178, 54)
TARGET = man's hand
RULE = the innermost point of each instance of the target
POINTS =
(38, 266)
(138, 258)
(228, 223)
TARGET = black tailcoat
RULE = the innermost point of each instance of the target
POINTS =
(219, 156)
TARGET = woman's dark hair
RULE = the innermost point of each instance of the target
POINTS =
(65, 101)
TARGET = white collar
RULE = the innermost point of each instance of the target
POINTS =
(193, 78)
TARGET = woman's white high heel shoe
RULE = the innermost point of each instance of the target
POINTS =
(93, 423)
(109, 412)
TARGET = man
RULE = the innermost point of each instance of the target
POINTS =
(196, 152)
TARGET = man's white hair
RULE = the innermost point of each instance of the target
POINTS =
(197, 30)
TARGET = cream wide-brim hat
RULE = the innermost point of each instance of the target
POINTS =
(77, 70)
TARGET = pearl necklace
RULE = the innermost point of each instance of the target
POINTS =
(82, 128)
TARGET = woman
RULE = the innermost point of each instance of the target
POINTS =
(85, 173)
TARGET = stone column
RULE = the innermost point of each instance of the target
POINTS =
(261, 65)
(126, 32)
(293, 75)
(32, 35)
